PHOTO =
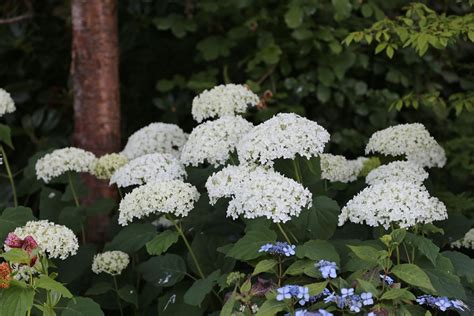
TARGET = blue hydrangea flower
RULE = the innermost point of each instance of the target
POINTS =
(347, 292)
(314, 298)
(279, 248)
(367, 298)
(371, 314)
(301, 293)
(304, 312)
(327, 269)
(441, 303)
(388, 280)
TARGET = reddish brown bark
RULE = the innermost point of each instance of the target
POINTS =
(94, 70)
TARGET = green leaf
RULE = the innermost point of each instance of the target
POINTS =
(316, 288)
(200, 288)
(264, 266)
(366, 253)
(423, 245)
(16, 255)
(99, 288)
(129, 294)
(398, 294)
(75, 267)
(101, 206)
(82, 306)
(303, 267)
(229, 305)
(132, 238)
(16, 300)
(463, 265)
(247, 247)
(172, 303)
(72, 217)
(294, 16)
(13, 217)
(342, 9)
(319, 221)
(5, 135)
(318, 250)
(164, 270)
(413, 275)
(367, 286)
(271, 308)
(161, 242)
(47, 283)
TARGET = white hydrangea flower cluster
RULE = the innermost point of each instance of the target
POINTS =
(105, 166)
(258, 192)
(63, 160)
(223, 100)
(337, 168)
(57, 241)
(397, 171)
(110, 262)
(399, 202)
(6, 103)
(149, 168)
(155, 138)
(213, 141)
(410, 140)
(283, 136)
(174, 197)
(467, 241)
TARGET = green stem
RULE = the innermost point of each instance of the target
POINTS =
(284, 234)
(76, 201)
(10, 175)
(191, 252)
(120, 192)
(118, 297)
(297, 171)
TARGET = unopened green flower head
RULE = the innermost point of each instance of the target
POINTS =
(369, 165)
(105, 166)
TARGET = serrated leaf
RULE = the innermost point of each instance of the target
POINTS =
(318, 250)
(82, 306)
(423, 245)
(264, 266)
(16, 300)
(398, 294)
(366, 253)
(47, 283)
(247, 247)
(316, 288)
(16, 255)
(200, 288)
(413, 275)
(161, 242)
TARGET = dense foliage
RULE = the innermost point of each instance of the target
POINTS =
(355, 67)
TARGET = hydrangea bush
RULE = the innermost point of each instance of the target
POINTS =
(239, 219)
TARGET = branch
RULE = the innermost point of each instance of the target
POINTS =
(16, 18)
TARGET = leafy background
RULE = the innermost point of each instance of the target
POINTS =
(292, 53)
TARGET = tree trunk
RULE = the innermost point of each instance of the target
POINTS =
(94, 70)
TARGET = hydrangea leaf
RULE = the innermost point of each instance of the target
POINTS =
(413, 275)
(200, 288)
(16, 300)
(82, 306)
(271, 308)
(318, 250)
(264, 266)
(398, 294)
(47, 283)
(132, 238)
(99, 288)
(423, 245)
(13, 217)
(161, 242)
(164, 270)
(129, 294)
(247, 247)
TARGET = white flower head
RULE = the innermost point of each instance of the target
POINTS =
(64, 160)
(6, 103)
(213, 141)
(171, 197)
(410, 140)
(155, 138)
(397, 171)
(399, 202)
(223, 100)
(110, 262)
(466, 242)
(283, 136)
(258, 192)
(105, 166)
(149, 168)
(57, 241)
(336, 168)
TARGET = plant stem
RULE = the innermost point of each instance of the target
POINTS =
(120, 192)
(297, 171)
(118, 297)
(284, 234)
(76, 201)
(10, 175)
(191, 252)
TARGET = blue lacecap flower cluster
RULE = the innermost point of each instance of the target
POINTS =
(301, 293)
(279, 248)
(319, 312)
(441, 303)
(327, 269)
(347, 299)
